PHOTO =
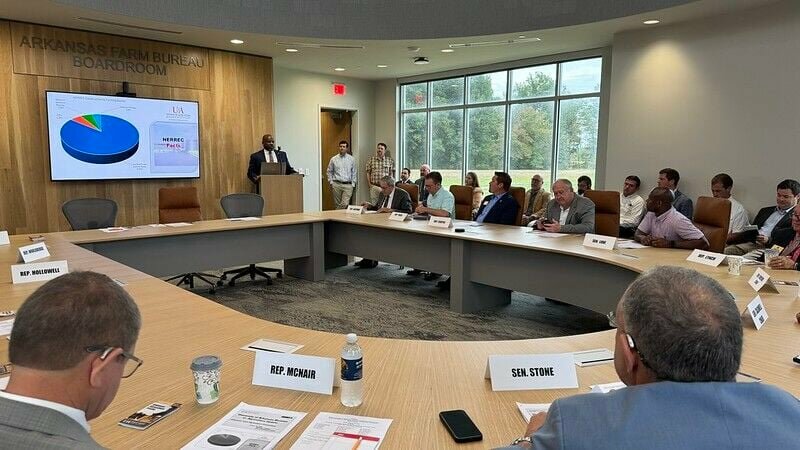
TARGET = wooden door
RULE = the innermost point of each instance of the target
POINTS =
(335, 126)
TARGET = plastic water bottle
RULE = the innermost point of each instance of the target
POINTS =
(352, 383)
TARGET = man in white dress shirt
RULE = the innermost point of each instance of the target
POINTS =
(342, 176)
(721, 186)
(631, 207)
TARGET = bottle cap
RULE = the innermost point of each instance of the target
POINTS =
(352, 338)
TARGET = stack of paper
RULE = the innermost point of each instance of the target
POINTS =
(248, 426)
(607, 387)
(529, 410)
(331, 431)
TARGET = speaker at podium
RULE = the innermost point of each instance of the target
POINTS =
(283, 194)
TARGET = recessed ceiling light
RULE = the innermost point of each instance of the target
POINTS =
(237, 41)
(521, 36)
(651, 22)
(382, 66)
(292, 50)
(447, 50)
(339, 69)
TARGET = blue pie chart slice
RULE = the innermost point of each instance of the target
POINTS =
(99, 139)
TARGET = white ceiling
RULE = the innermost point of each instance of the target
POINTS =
(362, 62)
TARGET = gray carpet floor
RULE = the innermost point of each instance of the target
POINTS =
(385, 302)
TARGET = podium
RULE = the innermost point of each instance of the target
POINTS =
(283, 194)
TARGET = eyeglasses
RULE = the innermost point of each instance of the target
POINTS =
(612, 322)
(131, 362)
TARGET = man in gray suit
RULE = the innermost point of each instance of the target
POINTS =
(678, 347)
(391, 199)
(567, 212)
(72, 343)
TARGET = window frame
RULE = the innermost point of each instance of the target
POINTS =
(558, 60)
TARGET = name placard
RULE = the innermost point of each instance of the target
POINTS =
(760, 282)
(353, 209)
(440, 222)
(523, 372)
(398, 216)
(706, 258)
(29, 273)
(4, 238)
(599, 241)
(295, 372)
(756, 312)
(33, 252)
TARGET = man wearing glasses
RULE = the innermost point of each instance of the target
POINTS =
(72, 343)
(677, 348)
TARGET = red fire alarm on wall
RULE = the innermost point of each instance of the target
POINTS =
(339, 89)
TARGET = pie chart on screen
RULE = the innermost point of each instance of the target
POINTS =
(99, 139)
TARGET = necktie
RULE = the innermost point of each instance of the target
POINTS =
(271, 157)
(385, 202)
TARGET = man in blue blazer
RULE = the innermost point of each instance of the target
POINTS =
(267, 154)
(500, 207)
(677, 348)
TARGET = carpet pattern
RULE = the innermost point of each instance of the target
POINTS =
(385, 302)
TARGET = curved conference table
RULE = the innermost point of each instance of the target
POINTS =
(407, 381)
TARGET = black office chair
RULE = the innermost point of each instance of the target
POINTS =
(246, 205)
(90, 213)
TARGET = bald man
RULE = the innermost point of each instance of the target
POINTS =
(267, 153)
(663, 226)
(423, 171)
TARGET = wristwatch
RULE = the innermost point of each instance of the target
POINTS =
(527, 439)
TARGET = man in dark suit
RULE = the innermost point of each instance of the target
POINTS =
(774, 223)
(500, 207)
(267, 154)
(420, 182)
(391, 199)
(72, 343)
(668, 179)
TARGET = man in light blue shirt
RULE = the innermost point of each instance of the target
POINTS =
(678, 347)
(342, 176)
(440, 201)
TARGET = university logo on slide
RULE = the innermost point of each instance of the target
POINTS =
(99, 139)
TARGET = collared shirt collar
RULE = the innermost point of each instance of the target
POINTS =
(73, 413)
(783, 211)
(663, 216)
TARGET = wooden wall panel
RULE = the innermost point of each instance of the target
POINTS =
(43, 50)
(234, 113)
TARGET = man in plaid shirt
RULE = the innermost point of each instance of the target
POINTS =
(378, 166)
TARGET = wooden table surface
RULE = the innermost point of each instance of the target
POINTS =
(407, 381)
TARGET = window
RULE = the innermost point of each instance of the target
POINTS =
(485, 144)
(447, 144)
(531, 142)
(447, 92)
(525, 121)
(488, 87)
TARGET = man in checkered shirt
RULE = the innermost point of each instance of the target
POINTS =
(378, 166)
